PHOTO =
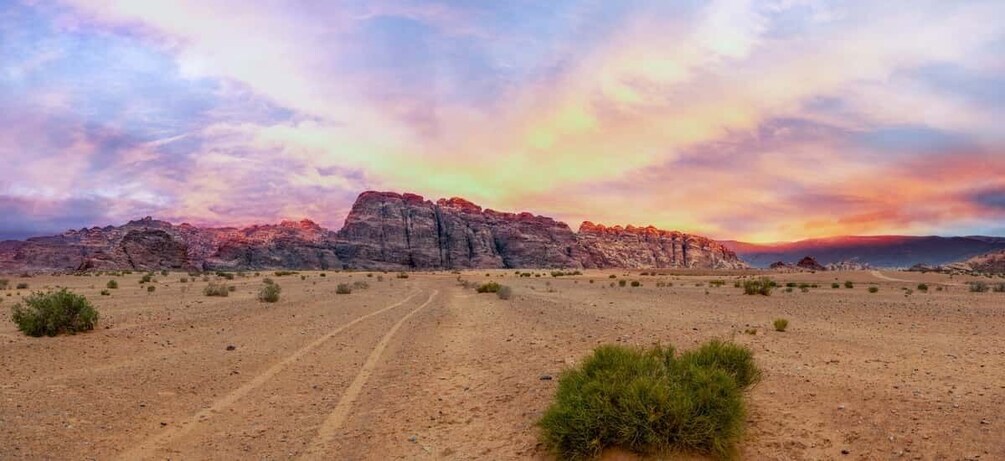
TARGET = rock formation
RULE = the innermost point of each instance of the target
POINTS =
(811, 264)
(384, 230)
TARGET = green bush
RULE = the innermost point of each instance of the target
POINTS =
(923, 287)
(343, 289)
(112, 285)
(636, 283)
(651, 401)
(622, 283)
(873, 289)
(490, 287)
(269, 293)
(504, 292)
(761, 286)
(835, 285)
(781, 324)
(216, 289)
(978, 287)
(146, 278)
(54, 312)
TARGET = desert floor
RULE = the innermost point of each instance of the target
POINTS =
(421, 368)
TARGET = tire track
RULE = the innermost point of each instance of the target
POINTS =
(338, 416)
(146, 448)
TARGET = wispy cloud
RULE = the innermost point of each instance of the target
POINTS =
(744, 119)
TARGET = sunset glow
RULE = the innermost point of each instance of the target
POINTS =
(749, 120)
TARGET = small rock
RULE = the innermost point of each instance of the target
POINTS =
(413, 438)
(545, 378)
(845, 451)
(231, 347)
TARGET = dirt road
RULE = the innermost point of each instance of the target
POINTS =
(421, 368)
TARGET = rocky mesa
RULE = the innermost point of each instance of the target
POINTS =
(384, 230)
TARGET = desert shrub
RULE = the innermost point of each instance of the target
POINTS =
(22, 286)
(505, 292)
(923, 287)
(284, 273)
(849, 284)
(622, 283)
(612, 276)
(147, 278)
(780, 324)
(999, 288)
(361, 285)
(112, 285)
(54, 312)
(651, 401)
(402, 275)
(106, 293)
(231, 288)
(4, 284)
(873, 289)
(790, 285)
(183, 280)
(636, 283)
(343, 289)
(303, 277)
(151, 288)
(835, 285)
(490, 287)
(760, 286)
(716, 283)
(788, 289)
(380, 278)
(326, 275)
(269, 293)
(268, 281)
(164, 273)
(216, 289)
(978, 287)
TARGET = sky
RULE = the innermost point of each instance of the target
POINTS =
(752, 120)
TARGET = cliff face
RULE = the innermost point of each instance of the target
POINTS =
(148, 244)
(388, 230)
(649, 247)
(384, 230)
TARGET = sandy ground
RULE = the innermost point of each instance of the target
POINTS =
(421, 368)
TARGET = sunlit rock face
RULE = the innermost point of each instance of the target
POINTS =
(649, 247)
(384, 230)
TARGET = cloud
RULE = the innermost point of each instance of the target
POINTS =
(757, 120)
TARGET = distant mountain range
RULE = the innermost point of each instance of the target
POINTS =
(893, 251)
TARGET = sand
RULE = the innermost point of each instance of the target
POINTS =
(421, 368)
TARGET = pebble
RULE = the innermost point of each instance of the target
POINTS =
(231, 347)
(545, 377)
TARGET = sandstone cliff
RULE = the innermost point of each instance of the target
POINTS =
(384, 230)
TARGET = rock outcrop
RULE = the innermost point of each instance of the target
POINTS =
(384, 230)
(810, 264)
(649, 247)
